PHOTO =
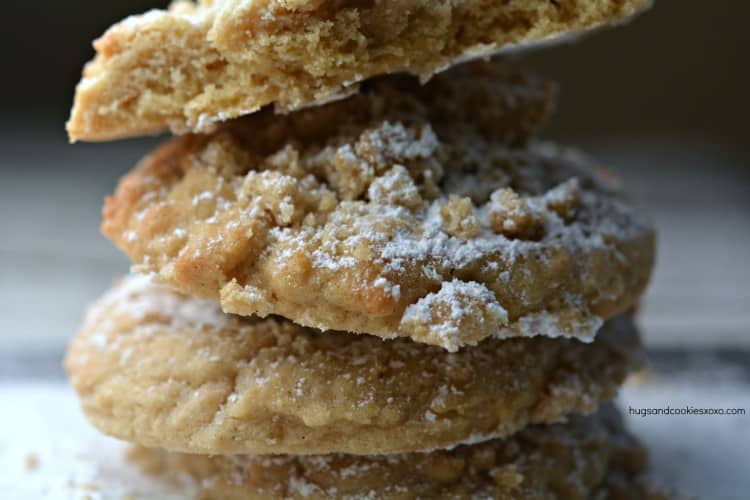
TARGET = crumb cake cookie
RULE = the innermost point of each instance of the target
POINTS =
(196, 64)
(584, 458)
(164, 370)
(392, 220)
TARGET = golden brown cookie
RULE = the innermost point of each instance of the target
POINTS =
(201, 63)
(387, 216)
(162, 370)
(585, 458)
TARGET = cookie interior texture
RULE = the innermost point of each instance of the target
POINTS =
(584, 458)
(163, 370)
(393, 213)
(201, 63)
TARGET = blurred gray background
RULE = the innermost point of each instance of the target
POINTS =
(664, 100)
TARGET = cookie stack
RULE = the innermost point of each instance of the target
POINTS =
(393, 290)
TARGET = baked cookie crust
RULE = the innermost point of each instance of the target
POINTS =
(162, 370)
(584, 458)
(197, 64)
(386, 216)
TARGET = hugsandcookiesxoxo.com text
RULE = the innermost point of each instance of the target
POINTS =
(684, 410)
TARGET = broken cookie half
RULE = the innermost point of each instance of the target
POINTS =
(200, 63)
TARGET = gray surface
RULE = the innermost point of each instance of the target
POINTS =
(53, 261)
(701, 456)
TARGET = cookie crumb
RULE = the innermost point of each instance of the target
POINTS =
(32, 461)
(511, 216)
(459, 219)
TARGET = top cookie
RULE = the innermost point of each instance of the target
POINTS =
(196, 64)
(378, 215)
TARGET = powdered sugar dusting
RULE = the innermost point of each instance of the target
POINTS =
(554, 326)
(393, 290)
(139, 297)
(446, 312)
(395, 141)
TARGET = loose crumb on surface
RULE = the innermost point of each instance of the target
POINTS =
(32, 461)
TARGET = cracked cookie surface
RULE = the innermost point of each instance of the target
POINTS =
(387, 216)
(196, 64)
(164, 370)
(584, 458)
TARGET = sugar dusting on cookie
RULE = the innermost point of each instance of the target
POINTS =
(141, 296)
(446, 314)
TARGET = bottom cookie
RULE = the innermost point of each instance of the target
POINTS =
(584, 458)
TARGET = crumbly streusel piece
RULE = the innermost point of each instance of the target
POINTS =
(585, 458)
(199, 63)
(380, 215)
(163, 370)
